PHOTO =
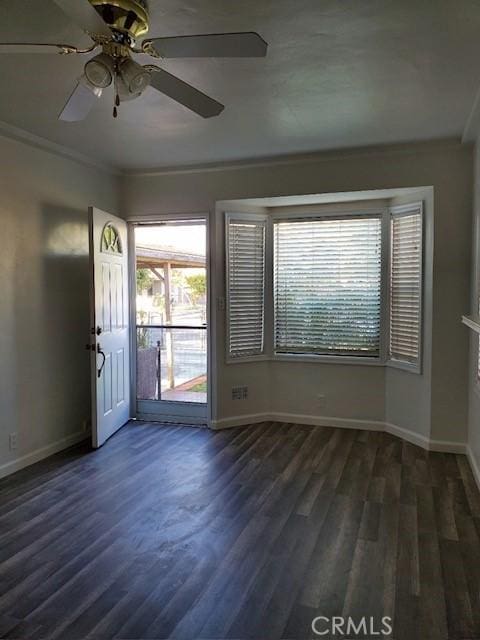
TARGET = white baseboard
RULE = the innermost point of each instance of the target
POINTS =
(444, 446)
(408, 435)
(328, 421)
(343, 423)
(474, 466)
(39, 454)
(296, 418)
(239, 421)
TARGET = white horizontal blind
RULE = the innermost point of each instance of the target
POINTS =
(245, 287)
(327, 286)
(406, 285)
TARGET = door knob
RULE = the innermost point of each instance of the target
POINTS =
(100, 352)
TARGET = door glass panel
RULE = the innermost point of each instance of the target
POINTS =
(171, 312)
(172, 364)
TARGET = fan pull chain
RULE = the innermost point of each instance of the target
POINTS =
(117, 97)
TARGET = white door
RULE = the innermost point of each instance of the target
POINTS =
(110, 347)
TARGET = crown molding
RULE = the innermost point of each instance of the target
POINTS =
(309, 158)
(26, 137)
(21, 135)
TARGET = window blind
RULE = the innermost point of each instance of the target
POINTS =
(327, 278)
(406, 286)
(245, 287)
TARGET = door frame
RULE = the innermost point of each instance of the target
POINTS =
(132, 222)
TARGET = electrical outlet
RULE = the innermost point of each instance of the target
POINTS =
(12, 441)
(239, 393)
(320, 399)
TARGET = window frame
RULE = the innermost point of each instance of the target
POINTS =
(402, 211)
(245, 218)
(337, 212)
(333, 210)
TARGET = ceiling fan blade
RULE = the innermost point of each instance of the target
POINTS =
(184, 93)
(32, 47)
(80, 102)
(216, 45)
(85, 16)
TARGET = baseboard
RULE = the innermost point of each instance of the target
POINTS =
(444, 446)
(474, 466)
(408, 435)
(417, 439)
(39, 454)
(328, 421)
(239, 421)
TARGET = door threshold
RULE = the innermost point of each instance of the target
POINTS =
(184, 421)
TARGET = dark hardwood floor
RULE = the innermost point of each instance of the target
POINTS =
(248, 533)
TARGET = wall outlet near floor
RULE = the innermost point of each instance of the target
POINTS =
(12, 441)
(320, 399)
(239, 393)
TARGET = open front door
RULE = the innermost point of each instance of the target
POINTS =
(110, 332)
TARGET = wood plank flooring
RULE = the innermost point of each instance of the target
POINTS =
(178, 532)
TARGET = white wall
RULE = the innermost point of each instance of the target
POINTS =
(44, 299)
(351, 391)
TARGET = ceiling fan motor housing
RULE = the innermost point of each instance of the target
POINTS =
(128, 17)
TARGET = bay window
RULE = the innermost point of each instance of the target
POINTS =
(332, 286)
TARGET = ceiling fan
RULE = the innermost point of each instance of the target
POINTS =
(114, 26)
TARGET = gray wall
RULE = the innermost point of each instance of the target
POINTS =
(44, 378)
(356, 391)
(474, 384)
(44, 301)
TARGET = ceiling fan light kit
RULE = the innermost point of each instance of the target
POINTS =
(115, 25)
(100, 70)
(135, 77)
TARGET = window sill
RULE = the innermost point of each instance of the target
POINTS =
(410, 367)
(473, 322)
(368, 361)
(320, 359)
(246, 359)
(362, 361)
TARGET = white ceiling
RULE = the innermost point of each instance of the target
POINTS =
(339, 73)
